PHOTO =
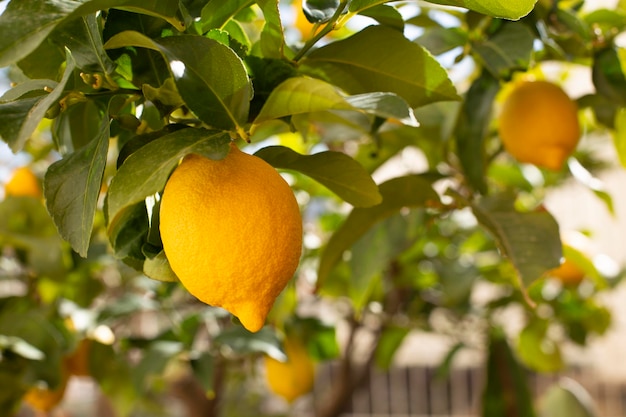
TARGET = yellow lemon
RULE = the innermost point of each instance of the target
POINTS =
(302, 23)
(23, 183)
(569, 273)
(539, 124)
(232, 232)
(44, 400)
(292, 378)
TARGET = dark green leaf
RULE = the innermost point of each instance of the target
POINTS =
(216, 14)
(381, 59)
(530, 240)
(21, 117)
(209, 76)
(154, 361)
(508, 50)
(506, 391)
(472, 128)
(385, 15)
(203, 368)
(335, 170)
(244, 342)
(145, 172)
(410, 191)
(319, 11)
(72, 186)
(272, 41)
(439, 40)
(384, 105)
(26, 24)
(608, 77)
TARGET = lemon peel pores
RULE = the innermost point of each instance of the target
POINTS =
(232, 232)
(539, 124)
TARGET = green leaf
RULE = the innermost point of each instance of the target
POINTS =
(385, 105)
(159, 268)
(567, 398)
(145, 172)
(153, 363)
(510, 49)
(511, 9)
(381, 59)
(390, 340)
(210, 77)
(216, 14)
(335, 170)
(439, 40)
(21, 117)
(243, 342)
(83, 37)
(72, 186)
(619, 136)
(506, 391)
(301, 95)
(272, 41)
(397, 193)
(608, 76)
(472, 129)
(385, 15)
(538, 351)
(25, 24)
(530, 240)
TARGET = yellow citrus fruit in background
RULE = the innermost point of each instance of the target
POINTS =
(301, 22)
(23, 183)
(44, 400)
(232, 232)
(539, 124)
(569, 273)
(292, 378)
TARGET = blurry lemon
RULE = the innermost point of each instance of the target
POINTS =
(539, 124)
(44, 400)
(232, 232)
(571, 272)
(293, 378)
(23, 183)
(301, 23)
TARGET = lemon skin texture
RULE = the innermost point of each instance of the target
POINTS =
(232, 232)
(293, 378)
(23, 183)
(539, 124)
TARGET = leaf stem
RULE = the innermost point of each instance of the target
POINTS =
(330, 25)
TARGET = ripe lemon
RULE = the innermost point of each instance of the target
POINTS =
(569, 273)
(302, 23)
(44, 400)
(292, 378)
(539, 124)
(23, 183)
(232, 232)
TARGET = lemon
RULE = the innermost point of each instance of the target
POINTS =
(296, 376)
(569, 273)
(539, 124)
(23, 183)
(232, 232)
(306, 28)
(43, 399)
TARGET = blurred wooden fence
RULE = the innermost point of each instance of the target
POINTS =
(419, 392)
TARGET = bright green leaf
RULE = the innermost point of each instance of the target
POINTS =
(511, 9)
(397, 193)
(619, 136)
(159, 268)
(390, 340)
(72, 186)
(301, 95)
(385, 105)
(145, 172)
(335, 170)
(536, 350)
(381, 59)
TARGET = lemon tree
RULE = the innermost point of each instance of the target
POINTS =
(197, 190)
